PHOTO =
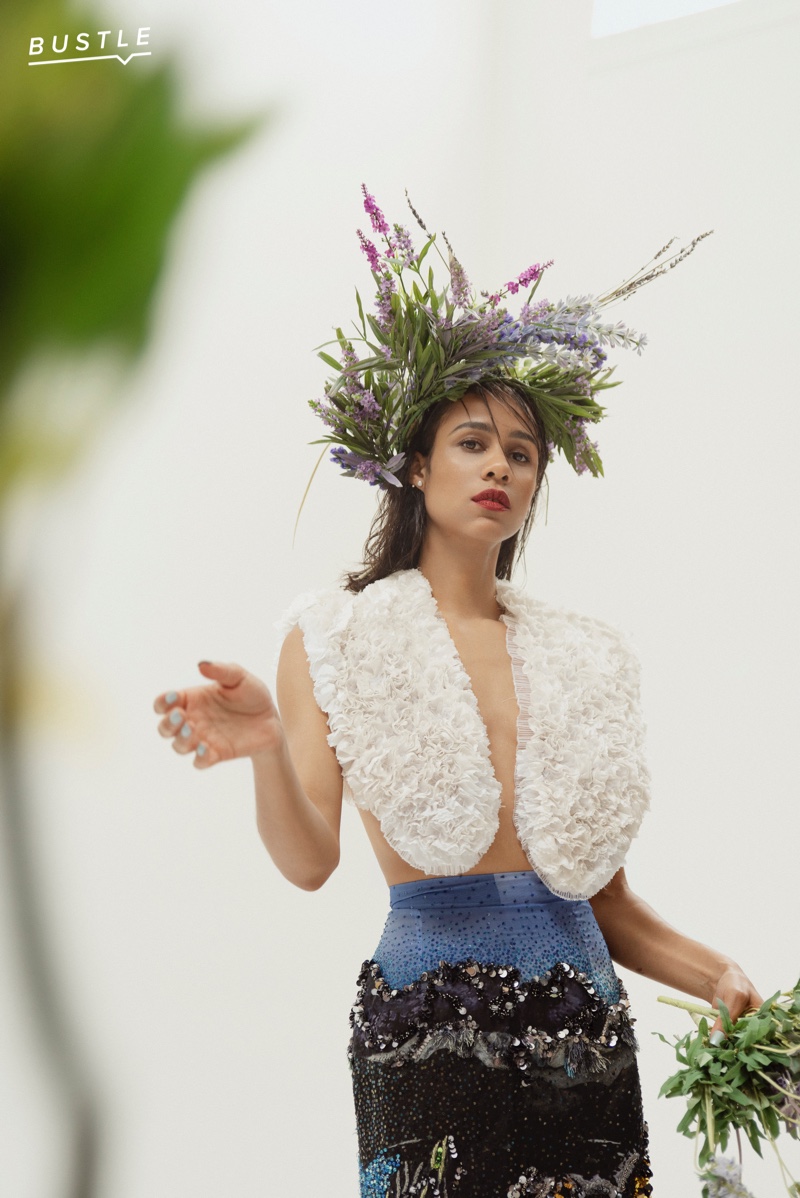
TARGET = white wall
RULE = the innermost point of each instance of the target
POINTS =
(210, 996)
(618, 16)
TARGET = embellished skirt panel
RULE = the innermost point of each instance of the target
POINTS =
(474, 1077)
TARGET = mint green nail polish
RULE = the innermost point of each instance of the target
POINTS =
(171, 697)
(186, 731)
(201, 749)
(175, 717)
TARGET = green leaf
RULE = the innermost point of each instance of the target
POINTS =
(725, 1015)
(423, 252)
(770, 1118)
(753, 1136)
(337, 366)
(361, 314)
(740, 1097)
(755, 1030)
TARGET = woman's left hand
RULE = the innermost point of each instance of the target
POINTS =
(738, 993)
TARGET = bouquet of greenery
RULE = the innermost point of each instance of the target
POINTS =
(750, 1083)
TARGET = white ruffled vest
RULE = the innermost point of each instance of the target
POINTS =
(414, 750)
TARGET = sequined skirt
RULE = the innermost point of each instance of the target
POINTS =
(492, 1051)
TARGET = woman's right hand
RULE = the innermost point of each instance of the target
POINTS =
(234, 716)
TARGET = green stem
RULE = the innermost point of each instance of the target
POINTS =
(791, 1185)
(72, 1078)
(710, 1127)
(305, 494)
(688, 1006)
(773, 1083)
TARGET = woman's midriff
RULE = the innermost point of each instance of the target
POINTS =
(504, 855)
(482, 648)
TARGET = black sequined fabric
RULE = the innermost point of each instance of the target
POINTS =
(475, 1081)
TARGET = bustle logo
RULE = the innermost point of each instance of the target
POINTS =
(83, 44)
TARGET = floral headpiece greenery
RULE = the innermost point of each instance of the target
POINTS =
(424, 344)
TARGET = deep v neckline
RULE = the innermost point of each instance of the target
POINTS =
(521, 688)
(414, 751)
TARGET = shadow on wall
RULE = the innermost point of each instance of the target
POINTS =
(95, 165)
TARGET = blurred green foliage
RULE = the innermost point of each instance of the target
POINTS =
(95, 163)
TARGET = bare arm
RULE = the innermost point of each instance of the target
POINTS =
(640, 940)
(297, 776)
(298, 779)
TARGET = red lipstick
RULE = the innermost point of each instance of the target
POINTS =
(493, 500)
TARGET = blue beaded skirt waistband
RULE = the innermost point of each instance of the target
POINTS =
(499, 918)
(520, 888)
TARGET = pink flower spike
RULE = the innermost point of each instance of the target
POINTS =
(370, 250)
(533, 273)
(376, 216)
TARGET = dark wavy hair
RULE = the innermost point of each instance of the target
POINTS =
(395, 538)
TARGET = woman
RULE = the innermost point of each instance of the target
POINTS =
(494, 748)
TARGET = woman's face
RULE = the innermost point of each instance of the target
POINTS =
(480, 445)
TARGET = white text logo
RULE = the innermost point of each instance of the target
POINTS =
(83, 44)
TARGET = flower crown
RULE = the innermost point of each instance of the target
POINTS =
(423, 345)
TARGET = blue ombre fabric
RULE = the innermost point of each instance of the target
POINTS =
(503, 918)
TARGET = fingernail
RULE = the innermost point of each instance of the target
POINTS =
(716, 1037)
(186, 731)
(175, 717)
(170, 696)
(201, 750)
(204, 663)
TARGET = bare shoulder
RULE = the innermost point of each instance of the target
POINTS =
(298, 708)
(293, 660)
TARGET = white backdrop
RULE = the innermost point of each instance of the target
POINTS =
(209, 995)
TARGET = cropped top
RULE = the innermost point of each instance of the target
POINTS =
(414, 750)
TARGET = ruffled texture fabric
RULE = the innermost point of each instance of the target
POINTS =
(414, 750)
(582, 781)
(323, 616)
(408, 733)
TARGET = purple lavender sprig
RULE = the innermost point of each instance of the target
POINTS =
(460, 293)
(788, 1108)
(535, 314)
(358, 466)
(576, 427)
(366, 407)
(349, 360)
(401, 247)
(383, 303)
(723, 1179)
(328, 414)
